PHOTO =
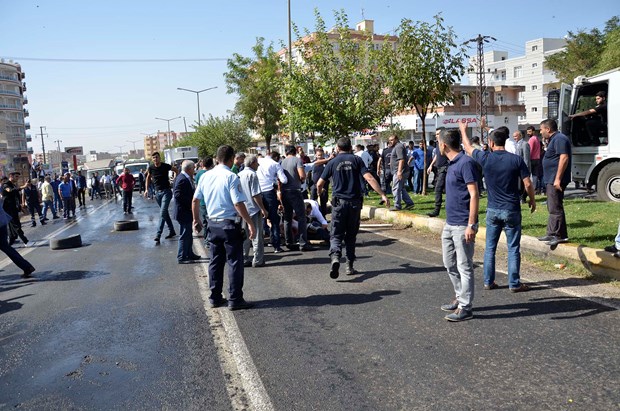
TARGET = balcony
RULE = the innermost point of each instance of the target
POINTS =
(26, 113)
(27, 125)
(10, 106)
(9, 78)
(30, 150)
(24, 86)
(9, 93)
(25, 100)
(28, 138)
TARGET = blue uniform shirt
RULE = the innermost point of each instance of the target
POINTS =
(558, 144)
(221, 190)
(502, 171)
(346, 171)
(462, 171)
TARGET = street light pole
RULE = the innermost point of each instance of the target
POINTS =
(168, 120)
(120, 151)
(134, 144)
(290, 68)
(197, 97)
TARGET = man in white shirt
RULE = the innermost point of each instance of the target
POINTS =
(269, 172)
(364, 155)
(254, 203)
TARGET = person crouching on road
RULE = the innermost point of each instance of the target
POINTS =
(65, 191)
(225, 202)
(347, 197)
(183, 193)
(126, 182)
(459, 232)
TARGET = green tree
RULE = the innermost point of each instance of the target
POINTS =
(422, 67)
(217, 131)
(335, 85)
(258, 82)
(585, 53)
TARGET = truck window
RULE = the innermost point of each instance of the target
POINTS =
(591, 130)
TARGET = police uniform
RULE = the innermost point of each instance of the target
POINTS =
(220, 189)
(346, 171)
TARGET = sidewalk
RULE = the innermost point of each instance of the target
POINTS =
(596, 261)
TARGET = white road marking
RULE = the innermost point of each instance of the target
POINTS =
(27, 250)
(243, 383)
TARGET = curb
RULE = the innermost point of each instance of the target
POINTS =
(594, 260)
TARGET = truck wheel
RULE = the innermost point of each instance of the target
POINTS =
(73, 241)
(608, 183)
(126, 225)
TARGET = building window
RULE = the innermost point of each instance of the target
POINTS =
(500, 99)
(534, 65)
(465, 100)
(534, 87)
(521, 96)
(534, 48)
(534, 109)
(518, 71)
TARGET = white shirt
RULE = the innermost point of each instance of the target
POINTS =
(316, 213)
(268, 173)
(366, 157)
(511, 145)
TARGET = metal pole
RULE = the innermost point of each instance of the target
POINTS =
(290, 66)
(43, 145)
(198, 100)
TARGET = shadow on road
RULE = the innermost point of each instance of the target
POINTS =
(326, 299)
(405, 268)
(10, 305)
(545, 306)
(52, 276)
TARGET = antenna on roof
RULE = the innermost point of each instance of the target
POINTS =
(363, 17)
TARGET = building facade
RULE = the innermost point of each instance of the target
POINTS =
(14, 151)
(528, 71)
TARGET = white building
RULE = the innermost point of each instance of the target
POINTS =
(527, 71)
(15, 152)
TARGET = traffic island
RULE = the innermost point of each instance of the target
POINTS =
(596, 261)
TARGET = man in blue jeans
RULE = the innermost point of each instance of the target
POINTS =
(157, 175)
(503, 170)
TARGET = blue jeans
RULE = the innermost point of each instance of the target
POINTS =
(418, 180)
(271, 204)
(49, 204)
(510, 222)
(185, 241)
(163, 199)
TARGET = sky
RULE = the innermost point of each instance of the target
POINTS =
(108, 105)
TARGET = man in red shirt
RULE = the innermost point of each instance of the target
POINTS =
(126, 182)
(534, 144)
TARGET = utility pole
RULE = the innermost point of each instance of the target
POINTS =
(481, 103)
(290, 69)
(58, 142)
(43, 144)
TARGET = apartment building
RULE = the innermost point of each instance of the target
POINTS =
(528, 71)
(13, 137)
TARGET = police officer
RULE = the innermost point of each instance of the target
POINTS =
(12, 205)
(221, 190)
(346, 172)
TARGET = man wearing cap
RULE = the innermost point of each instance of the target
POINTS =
(10, 193)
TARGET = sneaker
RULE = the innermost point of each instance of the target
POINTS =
(256, 265)
(611, 249)
(394, 208)
(278, 250)
(239, 305)
(450, 306)
(349, 270)
(545, 238)
(616, 254)
(460, 314)
(333, 273)
(433, 214)
(491, 286)
(521, 288)
(409, 207)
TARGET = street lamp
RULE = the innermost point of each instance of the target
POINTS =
(134, 144)
(197, 97)
(168, 120)
(120, 151)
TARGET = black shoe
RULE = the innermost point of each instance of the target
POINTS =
(349, 270)
(381, 202)
(239, 305)
(56, 217)
(335, 267)
(43, 222)
(307, 248)
(555, 241)
(256, 265)
(293, 247)
(195, 257)
(170, 235)
(28, 272)
(433, 214)
(218, 303)
(491, 286)
(157, 239)
(247, 264)
(24, 240)
(33, 224)
(611, 249)
(546, 238)
(278, 250)
(409, 207)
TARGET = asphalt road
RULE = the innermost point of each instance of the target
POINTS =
(118, 324)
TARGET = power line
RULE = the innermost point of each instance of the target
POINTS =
(74, 60)
(89, 128)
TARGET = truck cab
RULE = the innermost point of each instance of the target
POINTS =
(596, 142)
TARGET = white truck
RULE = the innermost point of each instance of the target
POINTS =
(175, 155)
(596, 145)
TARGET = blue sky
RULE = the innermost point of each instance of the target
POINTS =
(101, 105)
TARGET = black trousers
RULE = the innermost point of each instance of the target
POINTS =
(226, 249)
(556, 225)
(345, 226)
(440, 185)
